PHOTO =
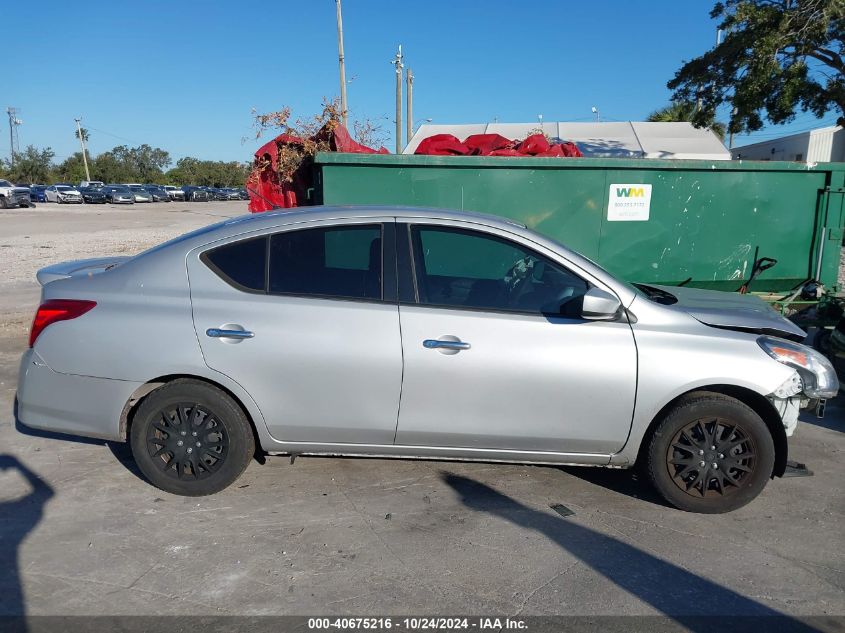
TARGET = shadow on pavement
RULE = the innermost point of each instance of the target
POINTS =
(688, 599)
(17, 519)
(626, 482)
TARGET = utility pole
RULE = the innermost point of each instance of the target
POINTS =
(82, 143)
(14, 122)
(731, 135)
(409, 104)
(343, 106)
(398, 63)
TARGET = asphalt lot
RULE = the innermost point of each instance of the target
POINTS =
(82, 533)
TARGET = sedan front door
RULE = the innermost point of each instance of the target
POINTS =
(497, 355)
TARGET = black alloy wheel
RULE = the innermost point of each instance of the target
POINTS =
(188, 442)
(710, 453)
(711, 457)
(191, 438)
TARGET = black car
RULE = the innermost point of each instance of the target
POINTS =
(196, 194)
(92, 195)
(158, 194)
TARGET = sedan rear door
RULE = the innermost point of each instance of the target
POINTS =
(306, 321)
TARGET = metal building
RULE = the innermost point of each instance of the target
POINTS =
(620, 139)
(823, 145)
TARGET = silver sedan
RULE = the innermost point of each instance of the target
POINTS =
(407, 332)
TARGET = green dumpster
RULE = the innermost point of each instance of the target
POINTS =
(650, 221)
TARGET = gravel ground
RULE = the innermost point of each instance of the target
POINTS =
(33, 238)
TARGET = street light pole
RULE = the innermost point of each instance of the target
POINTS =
(398, 63)
(409, 104)
(343, 107)
(82, 143)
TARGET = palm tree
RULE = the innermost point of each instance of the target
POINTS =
(84, 134)
(684, 111)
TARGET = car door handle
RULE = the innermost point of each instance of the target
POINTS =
(431, 343)
(214, 332)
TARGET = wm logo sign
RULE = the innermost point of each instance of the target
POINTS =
(630, 192)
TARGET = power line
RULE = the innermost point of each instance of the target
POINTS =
(122, 138)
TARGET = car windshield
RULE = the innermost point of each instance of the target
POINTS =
(5, 183)
(63, 188)
(140, 189)
(120, 190)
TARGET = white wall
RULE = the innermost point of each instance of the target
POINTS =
(815, 146)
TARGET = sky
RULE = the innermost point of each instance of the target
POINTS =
(185, 75)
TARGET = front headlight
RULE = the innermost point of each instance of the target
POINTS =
(817, 374)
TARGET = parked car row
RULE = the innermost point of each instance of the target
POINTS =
(95, 192)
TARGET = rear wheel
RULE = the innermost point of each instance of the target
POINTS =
(710, 454)
(190, 438)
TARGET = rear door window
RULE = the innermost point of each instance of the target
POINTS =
(340, 262)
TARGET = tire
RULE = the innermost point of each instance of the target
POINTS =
(3, 202)
(683, 441)
(157, 431)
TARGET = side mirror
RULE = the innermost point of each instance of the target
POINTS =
(600, 305)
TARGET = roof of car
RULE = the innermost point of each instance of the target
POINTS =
(355, 211)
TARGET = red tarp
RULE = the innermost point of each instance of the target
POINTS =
(495, 145)
(268, 191)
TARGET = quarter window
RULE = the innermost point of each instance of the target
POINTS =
(241, 264)
(342, 262)
(468, 269)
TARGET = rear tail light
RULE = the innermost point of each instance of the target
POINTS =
(57, 310)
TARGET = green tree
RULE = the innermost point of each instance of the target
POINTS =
(684, 111)
(32, 165)
(71, 170)
(130, 164)
(190, 170)
(83, 135)
(109, 168)
(778, 56)
(148, 162)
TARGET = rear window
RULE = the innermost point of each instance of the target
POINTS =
(240, 264)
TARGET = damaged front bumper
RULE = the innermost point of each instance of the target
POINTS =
(794, 395)
(811, 383)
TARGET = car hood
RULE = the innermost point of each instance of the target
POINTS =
(77, 268)
(733, 311)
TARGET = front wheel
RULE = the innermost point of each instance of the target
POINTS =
(190, 438)
(710, 454)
